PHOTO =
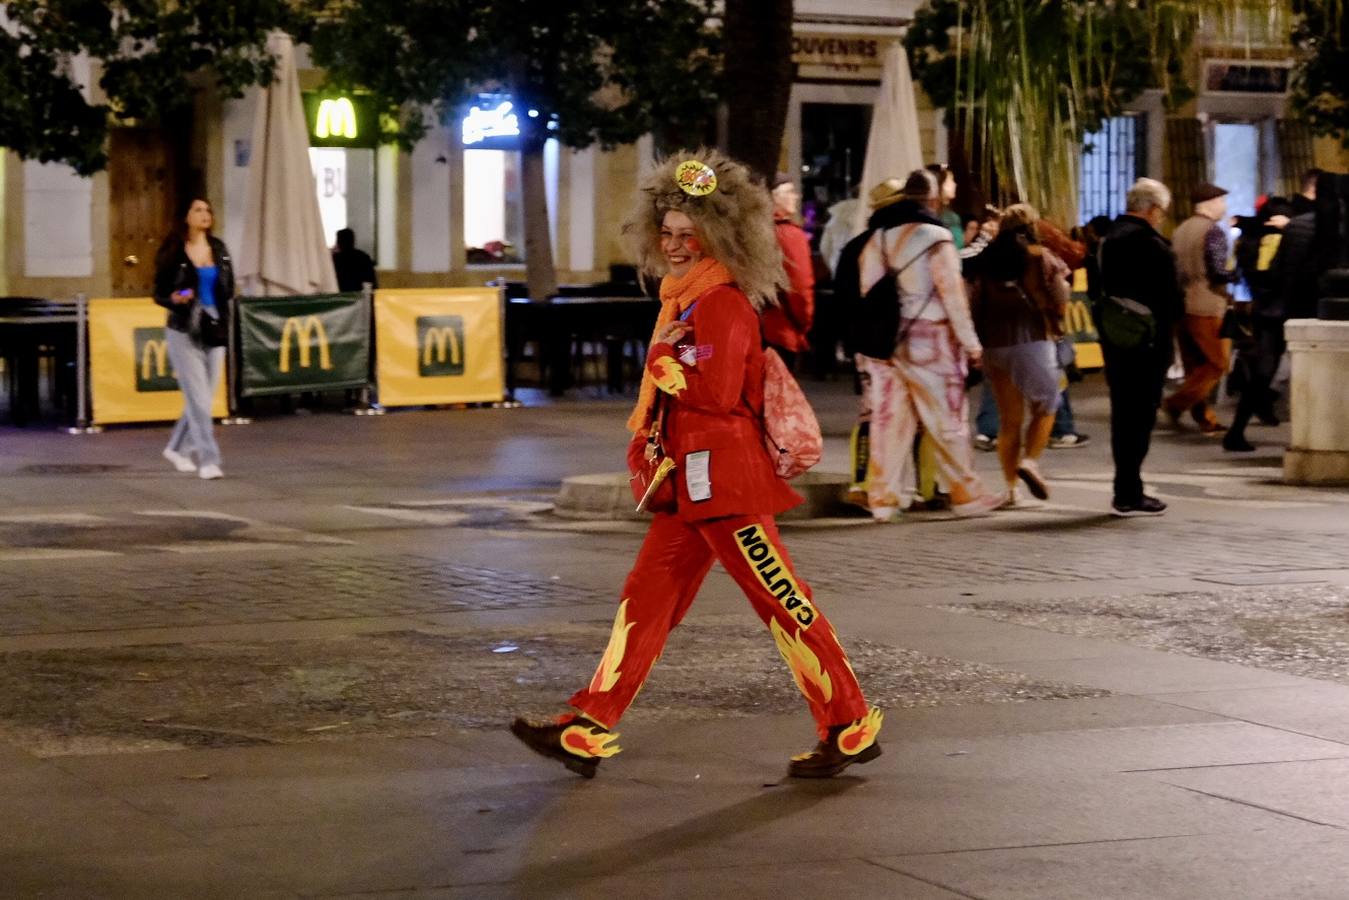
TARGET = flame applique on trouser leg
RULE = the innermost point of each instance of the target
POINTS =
(670, 567)
(752, 553)
(668, 374)
(607, 674)
(805, 665)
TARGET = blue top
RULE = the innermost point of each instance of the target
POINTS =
(206, 278)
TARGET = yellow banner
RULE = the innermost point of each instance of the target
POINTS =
(438, 345)
(130, 376)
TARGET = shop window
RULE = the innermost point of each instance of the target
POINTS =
(343, 137)
(1109, 166)
(494, 220)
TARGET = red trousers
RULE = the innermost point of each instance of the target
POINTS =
(1204, 355)
(671, 566)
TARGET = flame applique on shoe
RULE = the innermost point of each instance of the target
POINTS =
(589, 741)
(830, 756)
(668, 375)
(861, 734)
(607, 673)
(810, 676)
(577, 742)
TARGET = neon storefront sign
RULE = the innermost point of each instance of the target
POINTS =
(499, 121)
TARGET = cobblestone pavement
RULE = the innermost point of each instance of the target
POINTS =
(1298, 629)
(126, 593)
(405, 683)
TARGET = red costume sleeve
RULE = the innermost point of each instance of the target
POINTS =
(800, 274)
(724, 329)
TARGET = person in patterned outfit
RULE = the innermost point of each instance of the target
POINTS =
(704, 224)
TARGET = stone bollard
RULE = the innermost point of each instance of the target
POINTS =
(1318, 452)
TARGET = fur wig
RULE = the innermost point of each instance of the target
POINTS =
(735, 223)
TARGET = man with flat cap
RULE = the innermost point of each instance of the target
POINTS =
(1201, 248)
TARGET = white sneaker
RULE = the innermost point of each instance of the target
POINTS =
(1012, 499)
(210, 472)
(983, 505)
(1030, 473)
(181, 462)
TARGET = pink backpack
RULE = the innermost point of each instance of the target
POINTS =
(791, 431)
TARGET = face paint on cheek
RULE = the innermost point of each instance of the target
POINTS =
(693, 245)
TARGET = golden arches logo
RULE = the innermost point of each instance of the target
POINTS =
(335, 118)
(304, 329)
(1077, 318)
(442, 345)
(154, 360)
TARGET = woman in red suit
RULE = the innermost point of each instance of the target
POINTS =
(704, 224)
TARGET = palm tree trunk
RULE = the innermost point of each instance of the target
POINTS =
(758, 79)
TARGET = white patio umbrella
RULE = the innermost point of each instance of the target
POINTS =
(282, 251)
(894, 146)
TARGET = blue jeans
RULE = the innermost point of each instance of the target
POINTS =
(198, 371)
(986, 420)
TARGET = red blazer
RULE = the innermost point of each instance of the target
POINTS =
(713, 428)
(788, 328)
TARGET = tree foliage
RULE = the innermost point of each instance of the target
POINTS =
(605, 71)
(1321, 80)
(149, 57)
(1029, 79)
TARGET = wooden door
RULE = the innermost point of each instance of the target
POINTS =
(142, 182)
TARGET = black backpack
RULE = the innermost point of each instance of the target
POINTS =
(873, 319)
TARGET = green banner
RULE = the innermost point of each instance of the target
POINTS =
(294, 344)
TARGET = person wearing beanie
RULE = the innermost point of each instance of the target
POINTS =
(1201, 249)
(703, 224)
(786, 324)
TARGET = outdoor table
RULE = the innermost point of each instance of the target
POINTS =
(561, 321)
(27, 324)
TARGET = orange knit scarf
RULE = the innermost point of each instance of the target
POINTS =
(676, 295)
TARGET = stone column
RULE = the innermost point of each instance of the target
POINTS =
(1319, 450)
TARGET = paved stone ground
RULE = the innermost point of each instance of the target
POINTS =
(257, 687)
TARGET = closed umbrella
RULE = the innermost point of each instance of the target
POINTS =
(282, 251)
(894, 146)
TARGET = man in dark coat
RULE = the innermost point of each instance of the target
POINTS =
(1137, 264)
(354, 267)
(1286, 291)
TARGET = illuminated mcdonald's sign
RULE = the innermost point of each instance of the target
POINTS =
(304, 328)
(336, 117)
(440, 340)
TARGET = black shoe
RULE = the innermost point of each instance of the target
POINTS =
(845, 745)
(1148, 506)
(1237, 443)
(1267, 417)
(576, 742)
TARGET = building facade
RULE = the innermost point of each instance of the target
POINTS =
(450, 212)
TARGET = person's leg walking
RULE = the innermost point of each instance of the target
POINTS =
(1011, 412)
(751, 551)
(1063, 419)
(670, 567)
(986, 421)
(1120, 375)
(889, 479)
(193, 367)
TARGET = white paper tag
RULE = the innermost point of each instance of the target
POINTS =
(698, 475)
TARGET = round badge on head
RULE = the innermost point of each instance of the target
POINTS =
(695, 178)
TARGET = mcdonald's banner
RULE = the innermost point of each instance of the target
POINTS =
(130, 376)
(1079, 327)
(438, 345)
(310, 343)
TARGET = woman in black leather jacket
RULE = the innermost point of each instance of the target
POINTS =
(194, 281)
